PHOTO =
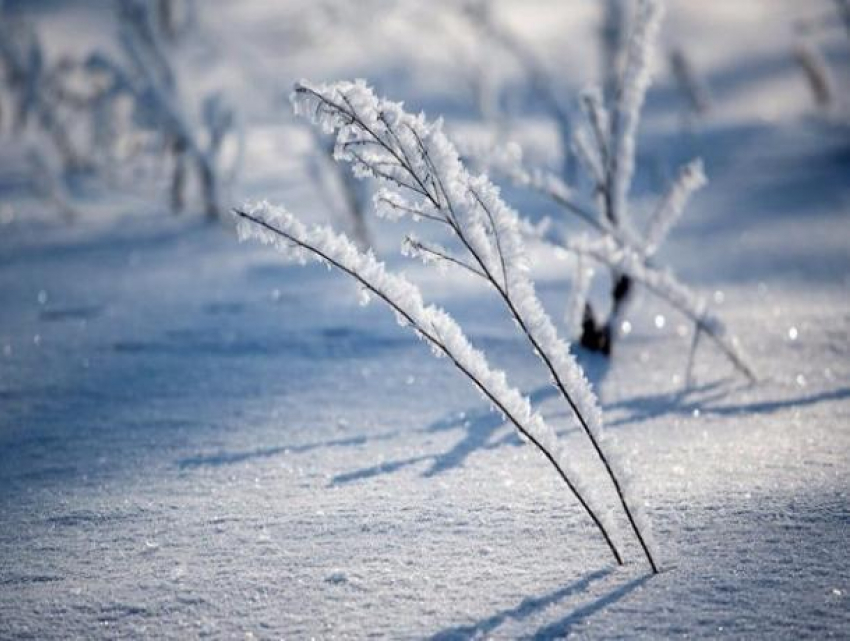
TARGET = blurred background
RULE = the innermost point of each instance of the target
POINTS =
(185, 105)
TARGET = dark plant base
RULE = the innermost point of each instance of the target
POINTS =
(597, 336)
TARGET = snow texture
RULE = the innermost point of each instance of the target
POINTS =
(198, 439)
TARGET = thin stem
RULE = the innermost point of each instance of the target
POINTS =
(503, 293)
(373, 167)
(566, 395)
(496, 236)
(352, 115)
(433, 339)
(745, 369)
(413, 212)
(419, 246)
(584, 214)
(586, 429)
(521, 176)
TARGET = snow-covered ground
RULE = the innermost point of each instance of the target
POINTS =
(197, 439)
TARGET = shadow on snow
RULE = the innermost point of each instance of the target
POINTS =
(484, 429)
(532, 605)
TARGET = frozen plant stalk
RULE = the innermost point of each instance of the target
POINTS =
(423, 177)
(605, 145)
(276, 226)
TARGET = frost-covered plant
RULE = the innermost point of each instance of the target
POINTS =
(22, 64)
(813, 64)
(154, 85)
(176, 17)
(422, 177)
(276, 226)
(605, 144)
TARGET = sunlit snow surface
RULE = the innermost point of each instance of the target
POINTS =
(196, 439)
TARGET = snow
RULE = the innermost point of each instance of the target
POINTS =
(198, 438)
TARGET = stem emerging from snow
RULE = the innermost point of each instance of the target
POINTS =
(427, 322)
(414, 156)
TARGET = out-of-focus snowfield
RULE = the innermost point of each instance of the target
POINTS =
(197, 439)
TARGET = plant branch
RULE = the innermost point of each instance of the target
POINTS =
(431, 337)
(419, 246)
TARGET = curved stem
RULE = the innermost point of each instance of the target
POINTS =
(573, 406)
(433, 339)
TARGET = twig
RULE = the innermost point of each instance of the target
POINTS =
(421, 247)
(432, 338)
